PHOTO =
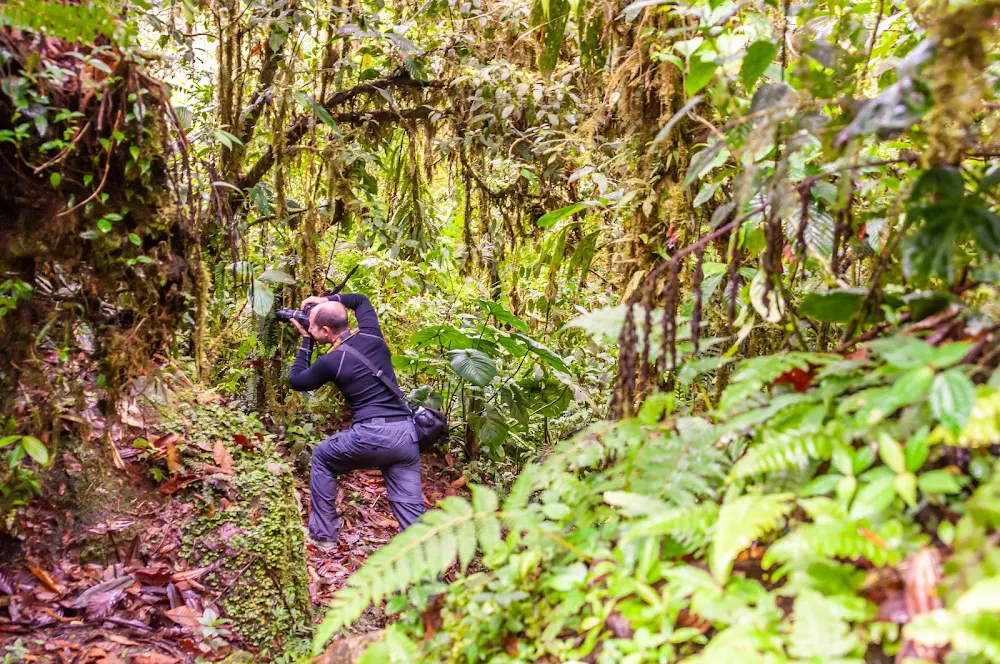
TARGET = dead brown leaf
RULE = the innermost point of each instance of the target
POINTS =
(458, 484)
(154, 658)
(223, 459)
(121, 640)
(50, 581)
(184, 616)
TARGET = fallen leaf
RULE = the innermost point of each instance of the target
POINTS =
(173, 456)
(121, 640)
(458, 484)
(105, 588)
(48, 580)
(172, 485)
(152, 576)
(6, 581)
(100, 605)
(223, 459)
(184, 616)
(154, 658)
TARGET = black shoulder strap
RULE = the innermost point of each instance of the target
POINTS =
(378, 372)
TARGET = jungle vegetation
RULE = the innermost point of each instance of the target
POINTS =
(708, 289)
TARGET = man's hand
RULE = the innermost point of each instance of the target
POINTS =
(298, 326)
(313, 300)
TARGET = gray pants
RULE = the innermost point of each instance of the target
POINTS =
(389, 446)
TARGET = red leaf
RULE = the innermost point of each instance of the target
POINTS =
(797, 378)
(152, 576)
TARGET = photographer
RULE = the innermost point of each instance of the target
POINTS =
(382, 433)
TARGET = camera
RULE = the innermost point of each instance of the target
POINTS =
(285, 315)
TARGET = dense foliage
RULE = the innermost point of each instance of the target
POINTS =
(707, 288)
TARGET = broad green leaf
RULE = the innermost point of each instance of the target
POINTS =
(984, 596)
(835, 306)
(473, 365)
(550, 219)
(446, 336)
(874, 497)
(759, 55)
(906, 487)
(891, 452)
(952, 396)
(939, 481)
(261, 298)
(7, 440)
(35, 449)
(276, 276)
(502, 315)
(491, 427)
(541, 351)
(916, 450)
(700, 72)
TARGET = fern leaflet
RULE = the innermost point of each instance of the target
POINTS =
(785, 451)
(742, 521)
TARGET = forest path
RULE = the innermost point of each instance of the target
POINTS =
(367, 523)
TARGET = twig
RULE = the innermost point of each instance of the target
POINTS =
(65, 152)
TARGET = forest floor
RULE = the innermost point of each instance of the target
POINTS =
(127, 589)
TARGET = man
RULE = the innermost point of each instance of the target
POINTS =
(381, 434)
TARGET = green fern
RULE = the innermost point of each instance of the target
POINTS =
(837, 539)
(753, 374)
(976, 634)
(784, 451)
(72, 23)
(742, 521)
(420, 552)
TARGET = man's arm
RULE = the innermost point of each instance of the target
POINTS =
(305, 378)
(363, 311)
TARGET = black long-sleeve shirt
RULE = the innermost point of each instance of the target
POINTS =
(365, 394)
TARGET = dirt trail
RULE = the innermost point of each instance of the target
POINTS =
(131, 589)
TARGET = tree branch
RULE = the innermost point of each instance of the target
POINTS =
(264, 81)
(301, 125)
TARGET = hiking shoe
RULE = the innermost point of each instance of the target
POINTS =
(322, 545)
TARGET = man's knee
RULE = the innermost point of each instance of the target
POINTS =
(325, 454)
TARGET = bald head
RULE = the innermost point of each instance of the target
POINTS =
(329, 314)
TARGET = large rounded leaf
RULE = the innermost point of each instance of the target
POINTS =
(835, 305)
(473, 365)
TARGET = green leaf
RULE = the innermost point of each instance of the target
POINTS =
(491, 427)
(502, 315)
(104, 225)
(35, 449)
(473, 365)
(7, 440)
(700, 72)
(938, 481)
(952, 397)
(277, 277)
(984, 596)
(550, 219)
(135, 239)
(55, 178)
(261, 298)
(874, 497)
(742, 521)
(759, 55)
(891, 452)
(916, 450)
(906, 487)
(446, 336)
(833, 306)
(541, 351)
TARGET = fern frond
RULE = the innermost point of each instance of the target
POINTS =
(784, 451)
(742, 521)
(689, 525)
(422, 551)
(838, 539)
(753, 374)
(72, 23)
(976, 634)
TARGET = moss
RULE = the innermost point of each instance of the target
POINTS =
(253, 525)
